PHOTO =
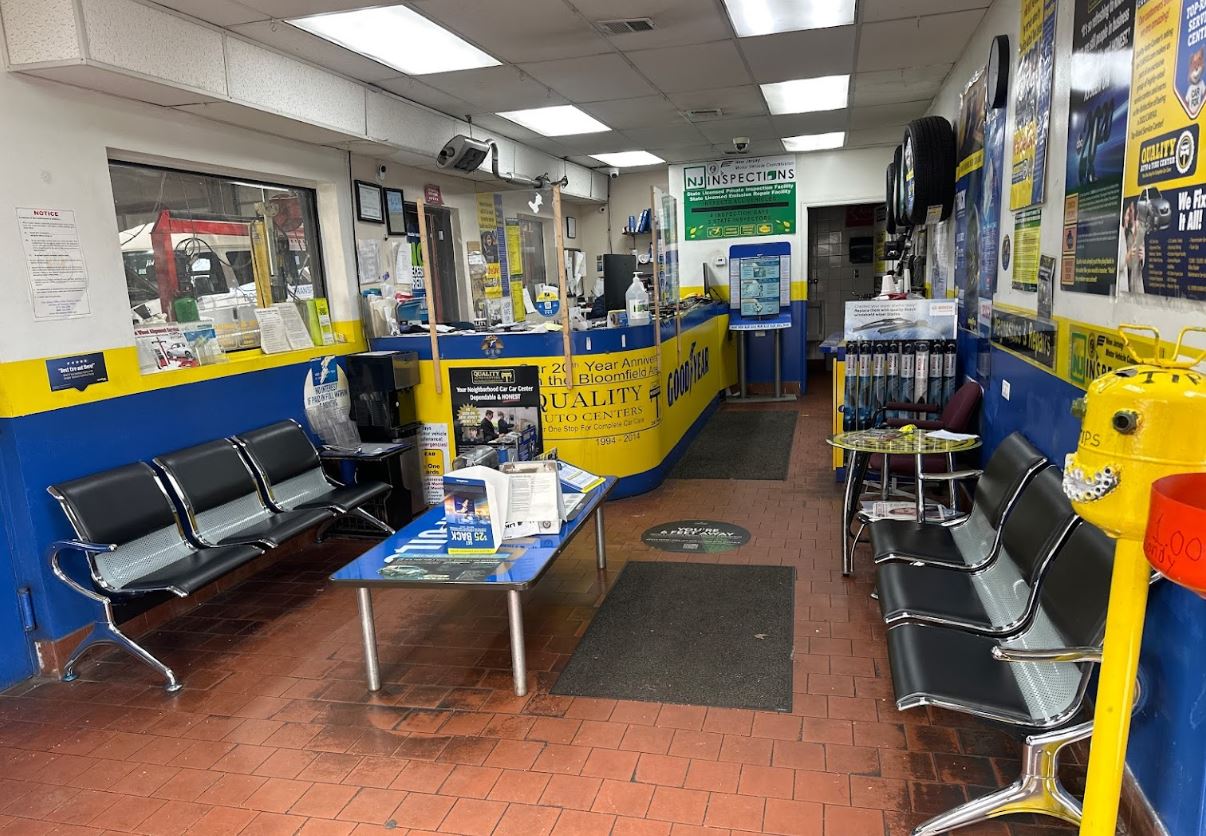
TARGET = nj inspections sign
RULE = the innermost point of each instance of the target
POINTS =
(740, 198)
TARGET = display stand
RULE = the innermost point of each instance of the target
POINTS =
(759, 301)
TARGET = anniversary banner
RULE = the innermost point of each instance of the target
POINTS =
(1097, 111)
(1164, 198)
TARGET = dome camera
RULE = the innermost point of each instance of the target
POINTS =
(741, 144)
(613, 172)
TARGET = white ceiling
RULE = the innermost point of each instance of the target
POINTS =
(642, 84)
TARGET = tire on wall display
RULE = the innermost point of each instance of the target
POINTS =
(928, 166)
(891, 198)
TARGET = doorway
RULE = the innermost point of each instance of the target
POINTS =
(841, 266)
(444, 281)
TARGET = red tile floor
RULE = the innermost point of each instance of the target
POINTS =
(274, 732)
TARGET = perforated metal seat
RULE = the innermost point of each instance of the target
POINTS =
(1035, 680)
(292, 478)
(972, 541)
(998, 599)
(132, 543)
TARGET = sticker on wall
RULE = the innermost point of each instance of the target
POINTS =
(738, 198)
(1164, 190)
(548, 303)
(696, 536)
(1006, 252)
(77, 372)
(1032, 103)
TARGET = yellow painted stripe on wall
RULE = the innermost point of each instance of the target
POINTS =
(25, 388)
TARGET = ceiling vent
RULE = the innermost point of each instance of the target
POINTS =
(704, 114)
(626, 26)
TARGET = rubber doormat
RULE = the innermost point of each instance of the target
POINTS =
(740, 444)
(690, 633)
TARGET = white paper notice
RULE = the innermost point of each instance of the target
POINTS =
(295, 327)
(368, 251)
(273, 337)
(58, 278)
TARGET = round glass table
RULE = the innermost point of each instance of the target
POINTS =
(888, 442)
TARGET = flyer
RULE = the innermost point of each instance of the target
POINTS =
(1164, 187)
(58, 277)
(163, 347)
(1027, 235)
(491, 402)
(1032, 103)
(738, 198)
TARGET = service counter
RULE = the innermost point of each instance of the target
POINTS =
(625, 407)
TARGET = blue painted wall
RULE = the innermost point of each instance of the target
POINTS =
(16, 651)
(1167, 751)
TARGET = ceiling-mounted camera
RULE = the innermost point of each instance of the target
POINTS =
(741, 144)
(613, 172)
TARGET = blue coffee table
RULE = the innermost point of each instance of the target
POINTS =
(418, 558)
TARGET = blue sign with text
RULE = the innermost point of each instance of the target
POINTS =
(78, 372)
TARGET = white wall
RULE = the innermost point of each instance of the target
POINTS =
(1003, 17)
(57, 141)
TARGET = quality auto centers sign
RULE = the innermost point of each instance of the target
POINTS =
(741, 197)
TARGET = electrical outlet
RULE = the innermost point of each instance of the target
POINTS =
(1005, 389)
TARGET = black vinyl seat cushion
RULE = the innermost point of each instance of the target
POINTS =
(929, 592)
(905, 538)
(196, 570)
(347, 497)
(278, 528)
(942, 666)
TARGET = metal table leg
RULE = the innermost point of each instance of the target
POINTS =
(372, 668)
(600, 544)
(920, 492)
(854, 486)
(519, 662)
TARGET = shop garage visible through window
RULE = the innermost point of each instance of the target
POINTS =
(205, 256)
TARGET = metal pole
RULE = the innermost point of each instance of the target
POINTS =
(741, 364)
(372, 668)
(920, 492)
(778, 368)
(519, 662)
(600, 545)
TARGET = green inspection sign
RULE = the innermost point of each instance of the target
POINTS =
(740, 198)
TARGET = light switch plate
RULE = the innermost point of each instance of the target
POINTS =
(1005, 389)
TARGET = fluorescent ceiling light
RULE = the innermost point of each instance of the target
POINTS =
(397, 37)
(559, 120)
(627, 159)
(765, 17)
(807, 95)
(814, 142)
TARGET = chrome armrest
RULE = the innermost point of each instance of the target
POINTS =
(1061, 654)
(951, 475)
(87, 550)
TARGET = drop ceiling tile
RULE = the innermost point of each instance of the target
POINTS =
(887, 135)
(686, 153)
(417, 91)
(640, 112)
(887, 86)
(877, 116)
(301, 44)
(301, 8)
(937, 39)
(489, 126)
(675, 23)
(700, 67)
(518, 30)
(876, 10)
(217, 12)
(745, 100)
(721, 131)
(584, 160)
(804, 54)
(598, 143)
(591, 78)
(493, 89)
(796, 124)
(665, 135)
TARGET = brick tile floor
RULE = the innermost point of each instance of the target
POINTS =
(274, 731)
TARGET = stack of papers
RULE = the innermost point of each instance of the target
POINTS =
(947, 435)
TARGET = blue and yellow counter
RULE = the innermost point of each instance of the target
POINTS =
(625, 406)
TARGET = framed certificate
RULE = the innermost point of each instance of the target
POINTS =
(369, 203)
(395, 212)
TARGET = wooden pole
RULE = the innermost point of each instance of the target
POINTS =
(566, 336)
(420, 206)
(654, 225)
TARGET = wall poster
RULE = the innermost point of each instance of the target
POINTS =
(488, 402)
(1164, 191)
(1027, 234)
(1032, 103)
(1097, 111)
(743, 197)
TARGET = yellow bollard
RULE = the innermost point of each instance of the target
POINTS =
(1140, 424)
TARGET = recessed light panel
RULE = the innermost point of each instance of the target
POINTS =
(807, 95)
(397, 37)
(559, 120)
(628, 159)
(815, 142)
(766, 17)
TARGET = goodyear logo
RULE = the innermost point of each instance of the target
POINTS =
(682, 378)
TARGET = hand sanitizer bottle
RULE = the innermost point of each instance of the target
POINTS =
(637, 301)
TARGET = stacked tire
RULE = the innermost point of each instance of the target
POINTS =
(920, 183)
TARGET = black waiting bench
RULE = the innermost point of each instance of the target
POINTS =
(195, 516)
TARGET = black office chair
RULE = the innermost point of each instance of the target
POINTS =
(292, 477)
(999, 599)
(1035, 681)
(222, 502)
(971, 542)
(132, 544)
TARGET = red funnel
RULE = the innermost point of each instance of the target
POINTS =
(1175, 542)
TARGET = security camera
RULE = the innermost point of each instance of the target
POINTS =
(741, 144)
(381, 172)
(463, 153)
(613, 172)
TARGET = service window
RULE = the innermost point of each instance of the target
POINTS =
(202, 250)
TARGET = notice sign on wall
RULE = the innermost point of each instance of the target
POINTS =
(1164, 187)
(58, 277)
(739, 198)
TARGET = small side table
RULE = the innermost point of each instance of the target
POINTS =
(382, 462)
(865, 443)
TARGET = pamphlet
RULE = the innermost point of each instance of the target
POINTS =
(441, 569)
(476, 500)
(295, 327)
(947, 435)
(163, 347)
(535, 506)
(575, 479)
(318, 322)
(879, 510)
(203, 341)
(273, 337)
